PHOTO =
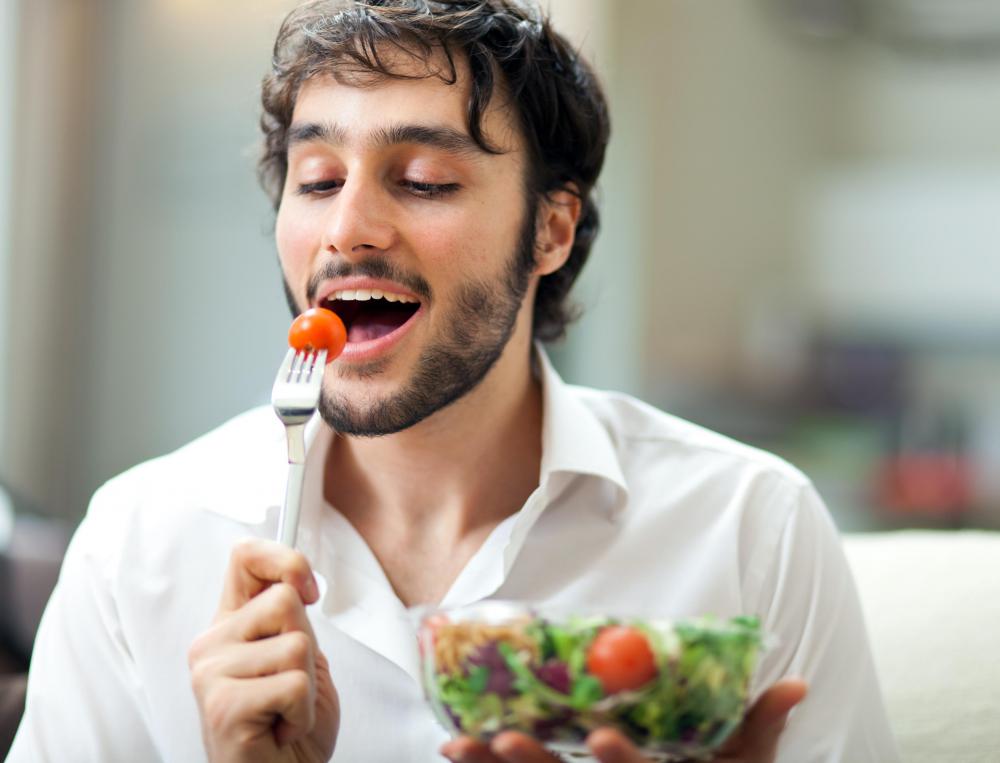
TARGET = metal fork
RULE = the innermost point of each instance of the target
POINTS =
(295, 395)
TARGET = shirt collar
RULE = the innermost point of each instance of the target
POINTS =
(573, 439)
(574, 444)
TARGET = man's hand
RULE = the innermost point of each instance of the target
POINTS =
(756, 740)
(263, 687)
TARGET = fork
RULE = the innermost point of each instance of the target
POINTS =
(295, 395)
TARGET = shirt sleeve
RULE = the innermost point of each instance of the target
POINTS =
(810, 608)
(84, 701)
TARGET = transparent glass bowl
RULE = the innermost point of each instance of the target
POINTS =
(498, 666)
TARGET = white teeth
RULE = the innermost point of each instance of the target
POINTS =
(363, 295)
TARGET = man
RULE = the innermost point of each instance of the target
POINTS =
(432, 166)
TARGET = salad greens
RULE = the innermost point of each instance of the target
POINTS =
(560, 680)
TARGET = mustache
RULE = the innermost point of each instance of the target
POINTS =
(376, 266)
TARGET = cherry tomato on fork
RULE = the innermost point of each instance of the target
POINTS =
(318, 329)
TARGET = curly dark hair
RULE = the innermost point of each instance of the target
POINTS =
(508, 44)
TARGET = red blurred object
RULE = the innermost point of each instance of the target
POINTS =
(925, 484)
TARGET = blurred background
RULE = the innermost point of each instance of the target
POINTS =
(801, 223)
(801, 204)
(801, 217)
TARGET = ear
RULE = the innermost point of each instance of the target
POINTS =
(557, 218)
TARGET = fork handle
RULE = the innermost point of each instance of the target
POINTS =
(288, 521)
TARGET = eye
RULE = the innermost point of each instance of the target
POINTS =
(319, 188)
(429, 190)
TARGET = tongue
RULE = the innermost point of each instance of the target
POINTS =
(366, 327)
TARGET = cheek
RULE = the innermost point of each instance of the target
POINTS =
(476, 243)
(296, 238)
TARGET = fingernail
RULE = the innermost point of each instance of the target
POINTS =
(454, 757)
(312, 589)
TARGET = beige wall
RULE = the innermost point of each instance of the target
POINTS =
(604, 349)
(50, 244)
(901, 105)
(721, 119)
(737, 112)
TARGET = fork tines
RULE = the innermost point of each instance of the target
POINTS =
(297, 384)
(298, 363)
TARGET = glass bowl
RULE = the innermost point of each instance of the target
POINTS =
(676, 688)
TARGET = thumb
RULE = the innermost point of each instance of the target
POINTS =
(766, 719)
(774, 704)
(757, 737)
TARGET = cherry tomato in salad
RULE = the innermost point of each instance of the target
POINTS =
(621, 658)
(318, 329)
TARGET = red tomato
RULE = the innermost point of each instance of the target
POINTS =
(318, 329)
(621, 658)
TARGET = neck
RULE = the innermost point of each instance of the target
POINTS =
(454, 475)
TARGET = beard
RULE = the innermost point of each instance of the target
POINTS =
(479, 325)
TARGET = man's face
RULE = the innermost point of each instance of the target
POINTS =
(388, 196)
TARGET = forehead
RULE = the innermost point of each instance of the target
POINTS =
(362, 105)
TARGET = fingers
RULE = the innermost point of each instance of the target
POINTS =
(608, 746)
(508, 747)
(224, 673)
(757, 737)
(237, 708)
(514, 747)
(277, 610)
(755, 741)
(466, 750)
(257, 672)
(774, 704)
(256, 564)
(290, 696)
(287, 651)
(611, 746)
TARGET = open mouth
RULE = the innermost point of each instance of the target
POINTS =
(370, 314)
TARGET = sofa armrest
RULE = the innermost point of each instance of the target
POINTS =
(29, 568)
(932, 604)
(12, 689)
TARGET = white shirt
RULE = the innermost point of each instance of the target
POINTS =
(635, 512)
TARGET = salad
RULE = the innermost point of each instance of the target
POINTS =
(675, 688)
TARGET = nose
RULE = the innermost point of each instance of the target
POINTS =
(357, 219)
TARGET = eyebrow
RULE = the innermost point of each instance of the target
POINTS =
(446, 139)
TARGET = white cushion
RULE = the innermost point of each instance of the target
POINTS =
(932, 602)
